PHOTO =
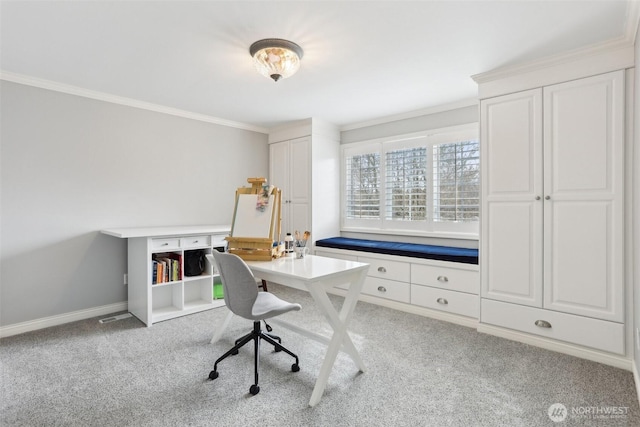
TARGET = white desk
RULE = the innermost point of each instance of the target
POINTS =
(162, 301)
(317, 274)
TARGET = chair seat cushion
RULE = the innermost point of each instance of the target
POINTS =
(268, 305)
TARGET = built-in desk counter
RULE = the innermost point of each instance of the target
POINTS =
(152, 300)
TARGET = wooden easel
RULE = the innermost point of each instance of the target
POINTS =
(267, 246)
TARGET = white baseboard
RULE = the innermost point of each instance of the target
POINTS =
(636, 377)
(46, 322)
(560, 347)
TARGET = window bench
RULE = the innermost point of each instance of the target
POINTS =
(435, 281)
(413, 250)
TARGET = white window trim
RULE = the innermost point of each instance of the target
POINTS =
(450, 230)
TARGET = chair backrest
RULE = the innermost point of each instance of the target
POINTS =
(240, 288)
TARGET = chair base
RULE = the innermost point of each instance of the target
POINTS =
(256, 335)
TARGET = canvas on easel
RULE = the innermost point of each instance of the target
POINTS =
(255, 232)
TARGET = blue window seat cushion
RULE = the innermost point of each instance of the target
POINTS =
(441, 253)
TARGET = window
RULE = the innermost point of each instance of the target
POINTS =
(425, 183)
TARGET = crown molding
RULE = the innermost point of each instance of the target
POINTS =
(618, 44)
(412, 114)
(632, 22)
(114, 99)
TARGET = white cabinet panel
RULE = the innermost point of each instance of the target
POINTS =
(450, 301)
(583, 134)
(388, 289)
(512, 252)
(387, 269)
(512, 207)
(594, 333)
(446, 278)
(289, 170)
(512, 128)
(584, 211)
(300, 167)
(581, 275)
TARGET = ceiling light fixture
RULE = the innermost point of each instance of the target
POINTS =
(276, 58)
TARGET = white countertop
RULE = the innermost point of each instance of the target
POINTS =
(175, 230)
(309, 268)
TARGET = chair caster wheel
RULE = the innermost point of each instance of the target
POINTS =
(213, 375)
(294, 368)
(254, 389)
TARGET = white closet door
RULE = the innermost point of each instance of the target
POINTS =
(583, 206)
(511, 234)
(279, 176)
(300, 169)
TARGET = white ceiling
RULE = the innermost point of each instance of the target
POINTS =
(362, 59)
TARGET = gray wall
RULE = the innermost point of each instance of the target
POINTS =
(636, 207)
(71, 166)
(437, 120)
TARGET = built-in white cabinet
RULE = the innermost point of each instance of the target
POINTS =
(290, 170)
(409, 283)
(553, 211)
(304, 162)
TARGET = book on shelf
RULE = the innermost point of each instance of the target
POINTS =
(167, 267)
(154, 272)
(160, 272)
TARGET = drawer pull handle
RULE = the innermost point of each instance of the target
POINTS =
(542, 324)
(442, 301)
(165, 244)
(382, 289)
(443, 279)
(382, 269)
(195, 241)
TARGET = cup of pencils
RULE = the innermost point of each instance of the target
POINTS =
(300, 244)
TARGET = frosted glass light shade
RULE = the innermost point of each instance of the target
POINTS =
(276, 58)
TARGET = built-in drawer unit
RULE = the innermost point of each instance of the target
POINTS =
(446, 278)
(196, 241)
(387, 269)
(162, 244)
(441, 285)
(450, 301)
(586, 331)
(389, 289)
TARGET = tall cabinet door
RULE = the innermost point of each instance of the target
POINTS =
(300, 184)
(289, 169)
(279, 176)
(511, 233)
(583, 206)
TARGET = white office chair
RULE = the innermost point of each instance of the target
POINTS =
(243, 299)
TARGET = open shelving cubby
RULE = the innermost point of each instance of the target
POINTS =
(152, 299)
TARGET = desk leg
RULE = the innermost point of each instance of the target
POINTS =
(339, 323)
(222, 328)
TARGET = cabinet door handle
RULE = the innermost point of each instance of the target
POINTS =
(537, 197)
(382, 289)
(443, 279)
(542, 324)
(382, 269)
(442, 301)
(547, 197)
